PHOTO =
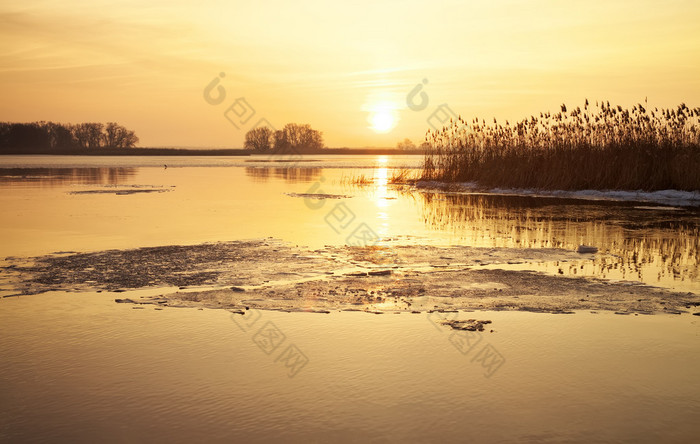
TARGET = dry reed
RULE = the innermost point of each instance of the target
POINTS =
(601, 147)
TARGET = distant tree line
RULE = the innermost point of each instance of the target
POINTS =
(408, 145)
(52, 137)
(292, 138)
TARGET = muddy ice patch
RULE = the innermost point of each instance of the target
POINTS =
(124, 190)
(318, 196)
(270, 274)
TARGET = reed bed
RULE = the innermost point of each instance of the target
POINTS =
(600, 147)
(360, 180)
(402, 176)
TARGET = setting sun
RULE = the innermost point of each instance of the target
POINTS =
(383, 118)
(146, 68)
(513, 186)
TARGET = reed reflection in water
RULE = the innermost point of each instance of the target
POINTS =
(651, 244)
(65, 176)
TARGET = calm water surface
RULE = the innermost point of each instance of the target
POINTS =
(78, 367)
(53, 203)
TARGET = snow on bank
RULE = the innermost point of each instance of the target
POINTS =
(665, 197)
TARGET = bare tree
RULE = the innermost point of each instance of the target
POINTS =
(259, 139)
(111, 134)
(407, 144)
(88, 135)
(128, 139)
(50, 136)
(281, 144)
(81, 134)
(116, 136)
(94, 135)
(298, 138)
(60, 136)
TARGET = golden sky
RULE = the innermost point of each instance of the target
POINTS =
(343, 67)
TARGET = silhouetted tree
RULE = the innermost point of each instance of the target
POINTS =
(280, 142)
(4, 133)
(111, 134)
(128, 139)
(407, 144)
(88, 135)
(81, 133)
(259, 139)
(60, 137)
(28, 135)
(116, 136)
(47, 137)
(295, 137)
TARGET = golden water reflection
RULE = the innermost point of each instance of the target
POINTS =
(41, 214)
(62, 176)
(643, 243)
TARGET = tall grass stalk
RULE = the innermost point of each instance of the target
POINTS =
(594, 147)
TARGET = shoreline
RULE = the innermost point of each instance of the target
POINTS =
(669, 197)
(149, 151)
